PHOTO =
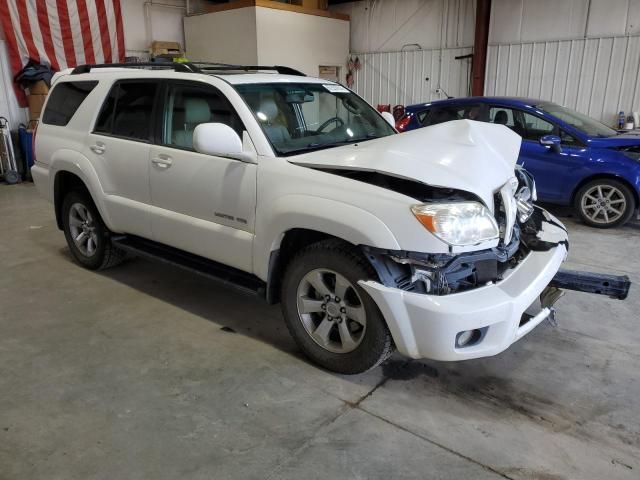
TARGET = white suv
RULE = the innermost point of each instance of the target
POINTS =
(296, 189)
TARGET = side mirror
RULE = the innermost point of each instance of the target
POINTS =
(389, 118)
(551, 141)
(220, 140)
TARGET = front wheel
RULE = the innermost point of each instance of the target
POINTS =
(605, 203)
(331, 318)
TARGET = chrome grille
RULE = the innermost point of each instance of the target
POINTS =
(506, 209)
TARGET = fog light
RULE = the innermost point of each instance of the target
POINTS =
(468, 338)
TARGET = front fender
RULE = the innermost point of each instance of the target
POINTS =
(74, 162)
(344, 221)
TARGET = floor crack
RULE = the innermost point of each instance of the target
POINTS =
(346, 407)
(437, 444)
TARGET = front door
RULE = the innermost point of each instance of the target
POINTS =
(202, 204)
(119, 148)
(552, 170)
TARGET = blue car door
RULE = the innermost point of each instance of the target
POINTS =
(554, 170)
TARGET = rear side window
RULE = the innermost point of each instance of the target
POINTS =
(64, 101)
(128, 111)
(446, 113)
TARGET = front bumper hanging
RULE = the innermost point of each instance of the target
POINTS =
(614, 286)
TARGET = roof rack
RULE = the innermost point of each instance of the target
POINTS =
(178, 67)
(191, 67)
(226, 67)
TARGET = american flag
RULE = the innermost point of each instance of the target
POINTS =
(62, 33)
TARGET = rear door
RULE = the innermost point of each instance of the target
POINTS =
(119, 146)
(202, 204)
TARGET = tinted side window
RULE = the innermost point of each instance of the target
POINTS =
(64, 101)
(188, 106)
(569, 140)
(105, 120)
(423, 117)
(128, 110)
(444, 114)
(502, 116)
(536, 127)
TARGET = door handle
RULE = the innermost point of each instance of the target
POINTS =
(98, 148)
(162, 161)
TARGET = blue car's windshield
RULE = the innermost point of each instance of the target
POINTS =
(301, 117)
(585, 124)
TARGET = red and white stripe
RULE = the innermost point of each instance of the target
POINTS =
(63, 33)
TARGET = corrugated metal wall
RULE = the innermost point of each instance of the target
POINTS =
(399, 77)
(596, 76)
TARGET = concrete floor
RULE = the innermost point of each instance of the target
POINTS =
(133, 373)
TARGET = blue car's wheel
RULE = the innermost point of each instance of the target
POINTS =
(605, 203)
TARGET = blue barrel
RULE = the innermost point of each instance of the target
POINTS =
(25, 137)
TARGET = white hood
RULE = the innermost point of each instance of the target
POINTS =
(466, 155)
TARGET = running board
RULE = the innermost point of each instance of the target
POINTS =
(219, 273)
(614, 286)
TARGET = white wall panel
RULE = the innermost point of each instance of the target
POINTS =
(514, 21)
(607, 17)
(399, 77)
(596, 76)
(9, 108)
(388, 25)
(143, 24)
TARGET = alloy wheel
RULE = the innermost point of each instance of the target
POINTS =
(331, 311)
(603, 204)
(83, 229)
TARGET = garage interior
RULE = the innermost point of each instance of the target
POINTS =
(149, 371)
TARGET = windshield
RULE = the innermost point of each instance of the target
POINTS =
(301, 117)
(583, 123)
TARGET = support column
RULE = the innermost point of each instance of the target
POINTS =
(478, 66)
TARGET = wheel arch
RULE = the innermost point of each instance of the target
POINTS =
(71, 170)
(63, 183)
(292, 242)
(296, 221)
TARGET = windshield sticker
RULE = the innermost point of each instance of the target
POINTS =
(333, 88)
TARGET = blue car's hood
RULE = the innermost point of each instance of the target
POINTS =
(629, 139)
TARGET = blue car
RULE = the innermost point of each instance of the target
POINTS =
(574, 159)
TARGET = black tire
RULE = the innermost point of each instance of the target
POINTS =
(584, 196)
(105, 254)
(376, 344)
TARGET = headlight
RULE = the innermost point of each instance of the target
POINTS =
(460, 224)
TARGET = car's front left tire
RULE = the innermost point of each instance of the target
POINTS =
(330, 316)
(605, 203)
(87, 236)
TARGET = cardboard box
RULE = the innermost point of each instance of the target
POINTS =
(165, 48)
(38, 88)
(312, 4)
(35, 105)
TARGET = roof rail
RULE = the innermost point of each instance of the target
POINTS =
(178, 67)
(226, 67)
(191, 67)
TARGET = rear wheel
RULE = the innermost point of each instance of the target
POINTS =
(332, 319)
(605, 203)
(86, 234)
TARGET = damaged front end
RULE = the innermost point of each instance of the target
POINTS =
(524, 228)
